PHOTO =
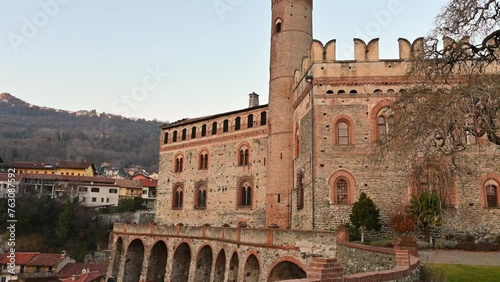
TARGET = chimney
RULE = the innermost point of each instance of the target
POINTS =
(254, 100)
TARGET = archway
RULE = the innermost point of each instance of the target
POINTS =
(233, 268)
(286, 271)
(157, 262)
(203, 265)
(133, 261)
(117, 257)
(180, 266)
(220, 267)
(252, 270)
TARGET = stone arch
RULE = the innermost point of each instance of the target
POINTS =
(252, 269)
(181, 263)
(233, 268)
(220, 266)
(286, 269)
(350, 127)
(157, 266)
(350, 181)
(133, 261)
(204, 264)
(118, 254)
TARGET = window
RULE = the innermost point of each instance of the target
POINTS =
(83, 199)
(329, 92)
(297, 141)
(343, 133)
(263, 118)
(178, 163)
(193, 132)
(174, 136)
(341, 92)
(165, 138)
(353, 92)
(385, 119)
(177, 199)
(225, 126)
(203, 161)
(300, 190)
(38, 269)
(377, 92)
(201, 196)
(113, 191)
(204, 130)
(237, 123)
(21, 270)
(277, 25)
(341, 192)
(107, 200)
(243, 156)
(83, 189)
(94, 190)
(250, 121)
(184, 134)
(245, 194)
(144, 192)
(102, 200)
(491, 193)
(214, 128)
(94, 199)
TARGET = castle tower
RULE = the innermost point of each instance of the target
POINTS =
(291, 38)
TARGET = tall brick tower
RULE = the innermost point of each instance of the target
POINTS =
(291, 38)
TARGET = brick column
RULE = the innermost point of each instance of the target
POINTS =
(406, 243)
(325, 270)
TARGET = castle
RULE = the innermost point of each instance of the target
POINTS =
(237, 189)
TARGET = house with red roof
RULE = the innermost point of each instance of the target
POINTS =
(26, 263)
(70, 168)
(92, 276)
(79, 270)
(149, 191)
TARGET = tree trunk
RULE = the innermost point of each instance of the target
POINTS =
(362, 234)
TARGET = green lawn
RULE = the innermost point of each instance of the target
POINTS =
(462, 273)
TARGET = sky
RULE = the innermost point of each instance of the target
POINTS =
(168, 60)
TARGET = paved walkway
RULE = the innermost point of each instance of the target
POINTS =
(460, 257)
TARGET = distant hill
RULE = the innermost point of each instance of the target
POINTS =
(33, 133)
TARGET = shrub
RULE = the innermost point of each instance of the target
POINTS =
(481, 246)
(365, 215)
(423, 245)
(497, 240)
(445, 244)
(403, 223)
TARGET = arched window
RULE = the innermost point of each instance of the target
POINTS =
(263, 118)
(237, 123)
(353, 92)
(342, 185)
(214, 128)
(377, 92)
(178, 197)
(297, 141)
(341, 92)
(245, 194)
(165, 138)
(204, 130)
(491, 193)
(343, 133)
(178, 163)
(385, 120)
(243, 156)
(300, 190)
(250, 121)
(341, 194)
(329, 92)
(184, 134)
(278, 25)
(174, 136)
(201, 196)
(225, 126)
(203, 160)
(193, 132)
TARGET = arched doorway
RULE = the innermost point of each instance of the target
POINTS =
(157, 262)
(252, 270)
(180, 266)
(286, 271)
(133, 261)
(233, 268)
(204, 265)
(220, 267)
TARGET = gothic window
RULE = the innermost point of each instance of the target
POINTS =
(214, 128)
(178, 163)
(178, 197)
(201, 196)
(343, 133)
(225, 126)
(278, 25)
(165, 138)
(250, 121)
(193, 132)
(243, 156)
(491, 194)
(263, 118)
(204, 130)
(237, 123)
(245, 194)
(174, 136)
(385, 120)
(203, 161)
(184, 134)
(300, 190)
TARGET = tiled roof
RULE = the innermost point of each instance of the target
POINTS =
(22, 258)
(127, 183)
(43, 165)
(5, 177)
(87, 277)
(45, 260)
(73, 178)
(149, 182)
(76, 269)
